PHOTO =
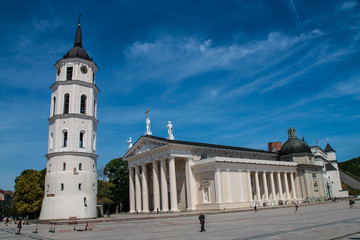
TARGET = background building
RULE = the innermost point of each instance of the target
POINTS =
(327, 160)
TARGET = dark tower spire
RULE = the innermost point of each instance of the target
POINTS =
(77, 51)
(78, 40)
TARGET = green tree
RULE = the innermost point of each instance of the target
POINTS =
(117, 174)
(29, 192)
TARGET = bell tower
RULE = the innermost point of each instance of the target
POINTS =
(71, 181)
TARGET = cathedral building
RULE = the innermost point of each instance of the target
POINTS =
(172, 175)
(327, 160)
(71, 179)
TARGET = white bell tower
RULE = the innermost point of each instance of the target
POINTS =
(71, 181)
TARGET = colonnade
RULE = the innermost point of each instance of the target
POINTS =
(271, 187)
(139, 186)
(260, 186)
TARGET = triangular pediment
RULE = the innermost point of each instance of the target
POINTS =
(144, 144)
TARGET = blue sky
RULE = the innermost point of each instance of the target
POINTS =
(224, 72)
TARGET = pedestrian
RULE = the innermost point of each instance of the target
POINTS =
(19, 227)
(296, 207)
(202, 222)
(255, 207)
(7, 220)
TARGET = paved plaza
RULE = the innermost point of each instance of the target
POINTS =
(324, 221)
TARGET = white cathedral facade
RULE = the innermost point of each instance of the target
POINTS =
(172, 175)
(71, 179)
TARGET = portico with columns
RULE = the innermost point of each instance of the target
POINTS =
(170, 176)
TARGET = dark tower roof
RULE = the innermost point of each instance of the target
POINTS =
(294, 145)
(77, 51)
(328, 148)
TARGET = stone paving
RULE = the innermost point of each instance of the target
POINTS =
(323, 221)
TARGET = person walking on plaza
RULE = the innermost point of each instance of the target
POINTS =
(255, 207)
(296, 207)
(19, 227)
(202, 222)
(7, 220)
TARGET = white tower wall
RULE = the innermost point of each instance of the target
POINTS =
(71, 179)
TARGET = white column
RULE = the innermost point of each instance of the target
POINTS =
(164, 187)
(279, 186)
(293, 186)
(172, 180)
(190, 185)
(257, 186)
(273, 191)
(145, 189)
(241, 186)
(249, 186)
(286, 186)
(265, 187)
(218, 194)
(229, 185)
(138, 189)
(131, 190)
(156, 189)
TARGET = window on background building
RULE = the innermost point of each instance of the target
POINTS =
(85, 202)
(66, 103)
(83, 104)
(69, 73)
(79, 186)
(65, 137)
(62, 187)
(81, 140)
(80, 166)
(64, 166)
(47, 188)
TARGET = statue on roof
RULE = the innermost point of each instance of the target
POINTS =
(129, 142)
(170, 131)
(148, 132)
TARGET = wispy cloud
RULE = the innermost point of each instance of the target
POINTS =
(349, 4)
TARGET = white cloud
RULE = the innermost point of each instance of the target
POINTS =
(348, 5)
(185, 57)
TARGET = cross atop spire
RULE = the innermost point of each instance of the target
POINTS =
(79, 18)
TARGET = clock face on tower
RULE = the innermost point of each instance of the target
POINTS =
(58, 71)
(83, 69)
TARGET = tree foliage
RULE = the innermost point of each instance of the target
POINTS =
(351, 167)
(113, 186)
(29, 192)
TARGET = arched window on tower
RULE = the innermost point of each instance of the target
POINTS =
(94, 112)
(51, 141)
(94, 142)
(83, 104)
(81, 139)
(62, 187)
(69, 73)
(65, 138)
(54, 106)
(66, 103)
(79, 186)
